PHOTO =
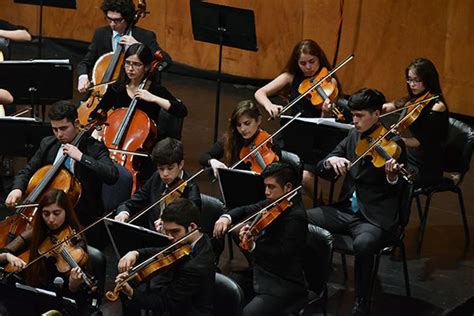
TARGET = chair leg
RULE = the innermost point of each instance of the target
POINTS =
(344, 266)
(315, 191)
(418, 207)
(405, 268)
(423, 224)
(331, 191)
(463, 215)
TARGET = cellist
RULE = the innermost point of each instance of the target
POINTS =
(189, 291)
(119, 15)
(89, 162)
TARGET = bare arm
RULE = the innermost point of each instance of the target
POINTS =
(16, 35)
(5, 97)
(270, 89)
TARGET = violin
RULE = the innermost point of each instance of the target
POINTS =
(174, 192)
(46, 178)
(414, 110)
(264, 217)
(68, 256)
(261, 157)
(381, 150)
(130, 129)
(107, 69)
(150, 267)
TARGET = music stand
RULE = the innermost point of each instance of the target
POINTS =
(240, 187)
(225, 26)
(21, 137)
(69, 4)
(37, 81)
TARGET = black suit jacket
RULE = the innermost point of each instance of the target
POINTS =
(189, 290)
(151, 192)
(278, 254)
(92, 171)
(378, 200)
(102, 43)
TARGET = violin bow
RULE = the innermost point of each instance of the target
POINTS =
(410, 105)
(339, 66)
(289, 195)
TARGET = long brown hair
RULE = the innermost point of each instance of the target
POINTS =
(40, 232)
(233, 141)
(310, 47)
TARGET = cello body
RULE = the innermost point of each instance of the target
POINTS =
(139, 135)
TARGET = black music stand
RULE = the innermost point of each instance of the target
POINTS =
(240, 187)
(225, 26)
(37, 81)
(70, 4)
(20, 137)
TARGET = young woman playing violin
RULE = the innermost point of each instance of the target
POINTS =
(307, 60)
(243, 132)
(425, 145)
(136, 67)
(53, 217)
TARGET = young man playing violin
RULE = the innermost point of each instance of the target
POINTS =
(89, 162)
(168, 155)
(370, 197)
(188, 290)
(119, 16)
(278, 276)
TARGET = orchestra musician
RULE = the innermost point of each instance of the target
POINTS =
(278, 276)
(425, 145)
(189, 290)
(14, 32)
(369, 201)
(119, 15)
(306, 61)
(244, 127)
(168, 155)
(136, 67)
(55, 213)
(89, 162)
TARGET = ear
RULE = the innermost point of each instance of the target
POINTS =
(181, 165)
(192, 226)
(287, 187)
(259, 120)
(76, 123)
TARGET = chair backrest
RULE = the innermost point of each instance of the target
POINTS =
(98, 263)
(317, 258)
(294, 160)
(211, 209)
(113, 195)
(228, 297)
(169, 125)
(459, 144)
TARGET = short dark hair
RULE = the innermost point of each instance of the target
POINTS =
(182, 212)
(167, 152)
(125, 7)
(366, 99)
(282, 172)
(63, 110)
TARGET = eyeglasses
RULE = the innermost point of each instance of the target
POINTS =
(413, 80)
(132, 64)
(116, 21)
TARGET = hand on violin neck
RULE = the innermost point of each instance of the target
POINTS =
(127, 261)
(75, 279)
(326, 108)
(340, 165)
(126, 289)
(273, 110)
(391, 169)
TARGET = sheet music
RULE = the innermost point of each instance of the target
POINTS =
(327, 121)
(38, 61)
(41, 291)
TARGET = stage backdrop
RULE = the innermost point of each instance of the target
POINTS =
(384, 35)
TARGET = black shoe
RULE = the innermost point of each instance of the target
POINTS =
(361, 307)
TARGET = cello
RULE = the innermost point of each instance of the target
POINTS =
(130, 129)
(106, 70)
(49, 177)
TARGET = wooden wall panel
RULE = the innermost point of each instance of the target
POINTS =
(385, 36)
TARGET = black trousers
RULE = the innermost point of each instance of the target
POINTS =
(367, 238)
